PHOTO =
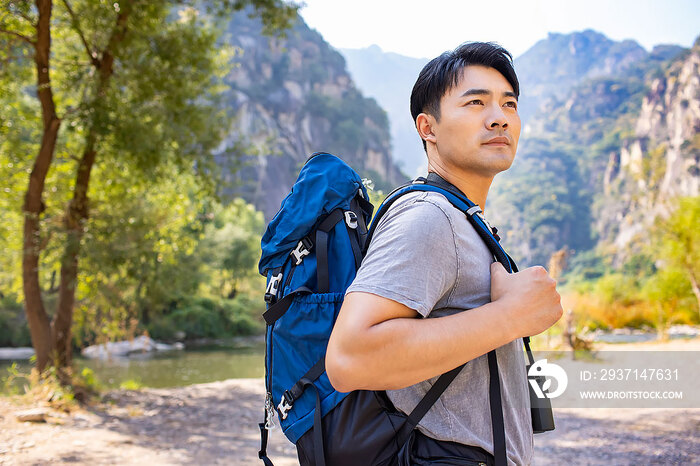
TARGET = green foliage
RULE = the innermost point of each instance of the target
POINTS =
(347, 118)
(88, 380)
(209, 318)
(616, 288)
(640, 266)
(172, 243)
(668, 287)
(131, 384)
(653, 288)
(59, 389)
(172, 246)
(679, 236)
(13, 381)
(13, 323)
(14, 331)
(230, 246)
(540, 204)
(156, 122)
(584, 267)
(277, 16)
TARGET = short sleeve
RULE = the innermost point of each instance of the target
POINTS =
(412, 258)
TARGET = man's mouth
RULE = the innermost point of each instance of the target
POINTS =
(497, 141)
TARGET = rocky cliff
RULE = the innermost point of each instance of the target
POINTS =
(660, 161)
(293, 96)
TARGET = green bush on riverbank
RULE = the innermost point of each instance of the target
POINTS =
(14, 331)
(181, 266)
(200, 317)
(656, 287)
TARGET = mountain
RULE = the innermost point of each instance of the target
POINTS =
(291, 97)
(553, 66)
(388, 78)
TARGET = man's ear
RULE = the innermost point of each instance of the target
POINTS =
(424, 125)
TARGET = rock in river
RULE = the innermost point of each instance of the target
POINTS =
(142, 344)
(13, 354)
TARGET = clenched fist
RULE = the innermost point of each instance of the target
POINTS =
(529, 296)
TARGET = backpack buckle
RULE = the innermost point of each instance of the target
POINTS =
(270, 411)
(286, 403)
(351, 219)
(476, 210)
(302, 250)
(272, 288)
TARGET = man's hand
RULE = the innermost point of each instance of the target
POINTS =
(530, 297)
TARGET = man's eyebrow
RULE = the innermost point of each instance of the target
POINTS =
(469, 92)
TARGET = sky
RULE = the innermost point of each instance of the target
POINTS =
(427, 28)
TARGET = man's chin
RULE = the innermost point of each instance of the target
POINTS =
(499, 165)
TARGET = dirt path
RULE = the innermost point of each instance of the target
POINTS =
(216, 423)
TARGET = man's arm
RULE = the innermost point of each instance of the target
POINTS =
(379, 344)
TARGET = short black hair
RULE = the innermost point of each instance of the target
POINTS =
(444, 72)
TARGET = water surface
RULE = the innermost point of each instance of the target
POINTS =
(171, 368)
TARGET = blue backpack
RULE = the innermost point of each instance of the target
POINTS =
(311, 251)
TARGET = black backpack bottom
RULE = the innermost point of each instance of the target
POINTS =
(361, 430)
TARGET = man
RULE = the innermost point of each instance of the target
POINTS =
(426, 260)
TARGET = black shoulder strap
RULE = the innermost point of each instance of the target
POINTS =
(426, 403)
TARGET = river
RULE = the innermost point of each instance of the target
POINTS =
(171, 368)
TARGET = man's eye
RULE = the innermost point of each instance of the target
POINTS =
(511, 104)
(475, 102)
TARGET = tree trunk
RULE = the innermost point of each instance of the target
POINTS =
(694, 286)
(33, 204)
(77, 212)
(75, 219)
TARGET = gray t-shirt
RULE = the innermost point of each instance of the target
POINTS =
(426, 255)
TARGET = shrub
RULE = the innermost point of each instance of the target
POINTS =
(14, 330)
(209, 318)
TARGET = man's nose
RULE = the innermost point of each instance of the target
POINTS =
(496, 118)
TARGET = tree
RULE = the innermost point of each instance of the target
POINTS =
(667, 290)
(231, 245)
(34, 30)
(679, 239)
(136, 82)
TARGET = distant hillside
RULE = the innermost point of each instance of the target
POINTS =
(553, 66)
(388, 78)
(293, 97)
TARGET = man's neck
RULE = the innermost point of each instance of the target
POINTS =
(475, 187)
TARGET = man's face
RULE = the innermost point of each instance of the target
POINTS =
(479, 123)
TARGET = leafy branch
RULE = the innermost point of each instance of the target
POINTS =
(79, 31)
